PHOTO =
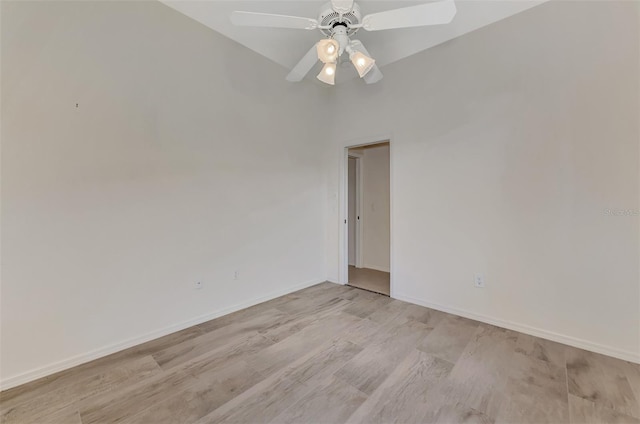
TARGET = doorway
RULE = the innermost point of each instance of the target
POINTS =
(368, 217)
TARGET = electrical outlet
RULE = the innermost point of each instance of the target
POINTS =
(478, 280)
(236, 275)
(197, 285)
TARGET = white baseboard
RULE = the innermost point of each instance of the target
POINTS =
(55, 367)
(522, 328)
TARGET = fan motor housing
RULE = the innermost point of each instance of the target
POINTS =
(329, 17)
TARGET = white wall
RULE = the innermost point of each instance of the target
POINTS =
(375, 208)
(187, 158)
(509, 145)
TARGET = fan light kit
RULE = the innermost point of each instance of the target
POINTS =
(362, 62)
(328, 50)
(338, 21)
(328, 73)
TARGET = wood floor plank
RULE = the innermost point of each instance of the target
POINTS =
(584, 411)
(67, 415)
(94, 368)
(362, 296)
(295, 379)
(294, 325)
(331, 353)
(408, 394)
(261, 404)
(332, 401)
(461, 414)
(221, 338)
(537, 392)
(367, 370)
(324, 363)
(321, 288)
(212, 390)
(306, 313)
(48, 403)
(632, 371)
(449, 338)
(365, 332)
(316, 304)
(388, 312)
(427, 316)
(479, 377)
(227, 355)
(544, 350)
(283, 353)
(602, 380)
(243, 314)
(116, 407)
(348, 293)
(363, 309)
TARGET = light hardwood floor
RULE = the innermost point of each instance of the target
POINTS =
(370, 279)
(333, 354)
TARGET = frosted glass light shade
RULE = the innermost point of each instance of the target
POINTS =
(362, 62)
(328, 49)
(328, 74)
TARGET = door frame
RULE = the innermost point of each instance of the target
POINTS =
(359, 159)
(343, 247)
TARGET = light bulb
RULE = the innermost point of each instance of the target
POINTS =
(362, 63)
(328, 73)
(328, 50)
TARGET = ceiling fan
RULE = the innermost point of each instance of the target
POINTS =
(338, 21)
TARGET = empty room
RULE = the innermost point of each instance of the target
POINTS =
(319, 211)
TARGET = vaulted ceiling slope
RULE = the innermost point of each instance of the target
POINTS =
(287, 46)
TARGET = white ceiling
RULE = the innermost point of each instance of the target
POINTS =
(287, 46)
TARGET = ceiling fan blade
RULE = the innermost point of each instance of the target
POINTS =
(435, 13)
(374, 75)
(304, 66)
(342, 6)
(272, 21)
